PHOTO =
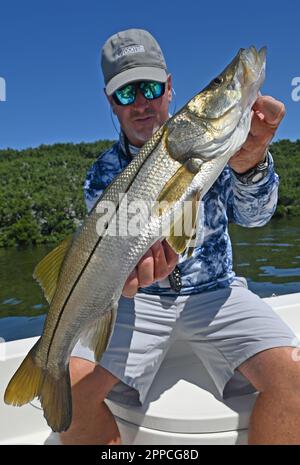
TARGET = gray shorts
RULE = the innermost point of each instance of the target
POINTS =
(223, 328)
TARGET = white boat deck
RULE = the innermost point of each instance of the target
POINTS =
(180, 407)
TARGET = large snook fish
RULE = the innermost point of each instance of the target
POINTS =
(83, 277)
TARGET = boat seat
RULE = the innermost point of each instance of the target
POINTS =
(183, 403)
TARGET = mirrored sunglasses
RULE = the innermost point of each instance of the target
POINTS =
(151, 90)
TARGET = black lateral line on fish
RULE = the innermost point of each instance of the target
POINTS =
(96, 245)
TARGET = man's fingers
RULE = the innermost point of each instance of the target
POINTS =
(155, 265)
(171, 256)
(161, 268)
(131, 285)
(249, 144)
(260, 129)
(267, 114)
(272, 110)
(145, 269)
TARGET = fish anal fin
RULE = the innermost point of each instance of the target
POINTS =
(47, 270)
(97, 335)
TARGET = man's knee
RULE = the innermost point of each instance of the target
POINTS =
(273, 369)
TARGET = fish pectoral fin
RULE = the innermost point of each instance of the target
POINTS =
(47, 270)
(98, 334)
(183, 230)
(31, 381)
(173, 190)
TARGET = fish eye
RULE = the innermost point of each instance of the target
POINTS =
(218, 80)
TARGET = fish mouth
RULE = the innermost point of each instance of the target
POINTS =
(253, 64)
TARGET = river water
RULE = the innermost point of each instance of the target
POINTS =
(269, 257)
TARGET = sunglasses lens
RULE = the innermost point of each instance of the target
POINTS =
(152, 89)
(125, 95)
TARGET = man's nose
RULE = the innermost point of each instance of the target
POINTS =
(140, 101)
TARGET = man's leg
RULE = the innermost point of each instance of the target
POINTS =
(275, 418)
(92, 421)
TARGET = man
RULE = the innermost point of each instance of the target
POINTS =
(231, 329)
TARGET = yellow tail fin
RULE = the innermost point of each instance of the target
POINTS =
(31, 381)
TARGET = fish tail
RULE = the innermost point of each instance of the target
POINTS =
(56, 400)
(32, 381)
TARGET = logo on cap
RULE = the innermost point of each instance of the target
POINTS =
(130, 50)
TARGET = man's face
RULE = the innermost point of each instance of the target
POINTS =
(143, 117)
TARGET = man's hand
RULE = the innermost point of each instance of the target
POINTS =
(156, 264)
(267, 115)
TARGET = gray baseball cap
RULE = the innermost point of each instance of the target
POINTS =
(132, 55)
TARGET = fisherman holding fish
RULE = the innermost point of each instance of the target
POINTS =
(214, 152)
(133, 67)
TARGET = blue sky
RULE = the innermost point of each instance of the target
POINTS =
(50, 58)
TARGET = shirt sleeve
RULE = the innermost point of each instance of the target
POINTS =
(93, 187)
(253, 205)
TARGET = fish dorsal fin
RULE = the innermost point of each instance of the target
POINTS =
(183, 230)
(47, 270)
(97, 335)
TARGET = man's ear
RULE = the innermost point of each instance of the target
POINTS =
(169, 83)
(113, 105)
(110, 101)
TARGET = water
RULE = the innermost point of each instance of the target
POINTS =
(268, 257)
(22, 304)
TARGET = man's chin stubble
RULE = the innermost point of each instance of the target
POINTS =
(144, 139)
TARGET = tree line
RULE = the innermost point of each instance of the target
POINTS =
(41, 189)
